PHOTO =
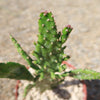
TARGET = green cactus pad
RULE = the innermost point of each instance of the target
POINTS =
(84, 74)
(14, 70)
(49, 50)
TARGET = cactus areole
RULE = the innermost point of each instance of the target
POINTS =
(49, 54)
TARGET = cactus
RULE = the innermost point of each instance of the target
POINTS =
(23, 53)
(49, 53)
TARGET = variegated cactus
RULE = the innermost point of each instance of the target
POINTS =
(49, 53)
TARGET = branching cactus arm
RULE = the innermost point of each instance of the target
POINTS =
(83, 74)
(23, 53)
(65, 33)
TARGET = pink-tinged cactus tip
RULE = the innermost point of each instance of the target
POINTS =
(48, 20)
(45, 13)
(52, 16)
(69, 26)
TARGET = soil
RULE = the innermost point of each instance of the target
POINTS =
(70, 89)
(20, 17)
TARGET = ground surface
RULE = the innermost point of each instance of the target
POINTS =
(20, 17)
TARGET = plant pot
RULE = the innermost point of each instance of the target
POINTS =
(59, 93)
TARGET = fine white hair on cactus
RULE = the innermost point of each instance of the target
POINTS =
(41, 59)
(42, 25)
(50, 53)
(48, 19)
(57, 40)
(51, 42)
(47, 31)
(66, 30)
(32, 61)
(42, 47)
(56, 61)
(59, 49)
(44, 38)
(27, 57)
(52, 26)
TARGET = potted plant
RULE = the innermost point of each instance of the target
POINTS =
(49, 53)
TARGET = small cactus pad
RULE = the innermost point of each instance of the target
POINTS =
(65, 33)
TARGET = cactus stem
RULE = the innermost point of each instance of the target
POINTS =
(48, 20)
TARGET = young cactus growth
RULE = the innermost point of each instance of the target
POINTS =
(49, 53)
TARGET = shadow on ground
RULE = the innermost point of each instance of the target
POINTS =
(93, 89)
(62, 93)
